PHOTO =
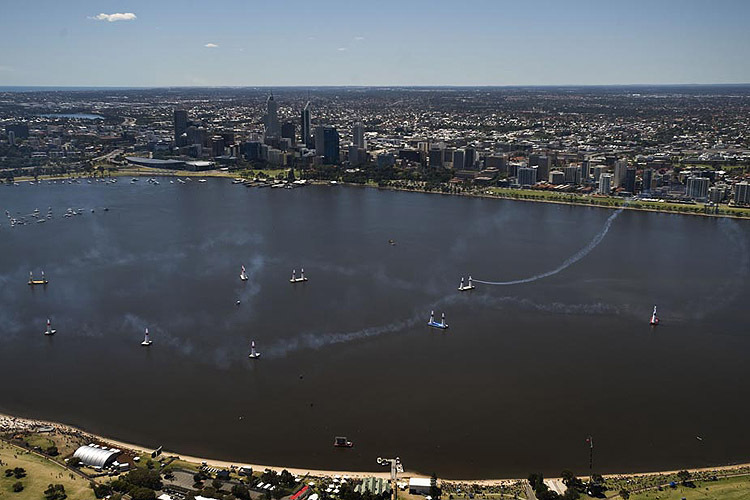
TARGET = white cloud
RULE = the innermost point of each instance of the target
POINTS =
(211, 46)
(117, 16)
(359, 38)
(342, 49)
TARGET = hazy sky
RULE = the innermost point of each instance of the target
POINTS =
(379, 42)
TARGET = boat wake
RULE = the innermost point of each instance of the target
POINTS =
(569, 262)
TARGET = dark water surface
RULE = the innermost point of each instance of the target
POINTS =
(522, 376)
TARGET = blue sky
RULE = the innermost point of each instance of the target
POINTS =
(383, 42)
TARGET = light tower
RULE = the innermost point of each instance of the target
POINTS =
(396, 467)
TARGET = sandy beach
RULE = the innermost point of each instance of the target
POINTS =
(10, 423)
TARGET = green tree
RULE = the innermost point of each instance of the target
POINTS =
(240, 491)
(17, 487)
(101, 490)
(55, 492)
(683, 476)
(141, 493)
(145, 478)
(624, 494)
(571, 494)
(434, 490)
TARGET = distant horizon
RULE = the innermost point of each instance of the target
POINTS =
(10, 88)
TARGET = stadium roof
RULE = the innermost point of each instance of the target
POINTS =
(150, 162)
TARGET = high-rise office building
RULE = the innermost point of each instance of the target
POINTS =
(327, 143)
(585, 171)
(742, 193)
(273, 128)
(527, 176)
(436, 157)
(307, 138)
(358, 135)
(598, 171)
(605, 184)
(470, 158)
(572, 174)
(697, 188)
(556, 177)
(180, 124)
(648, 180)
(621, 170)
(289, 131)
(458, 159)
(629, 183)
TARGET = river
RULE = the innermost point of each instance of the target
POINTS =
(522, 376)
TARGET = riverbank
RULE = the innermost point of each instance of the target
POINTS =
(9, 423)
(529, 195)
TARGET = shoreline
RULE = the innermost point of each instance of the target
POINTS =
(152, 172)
(11, 422)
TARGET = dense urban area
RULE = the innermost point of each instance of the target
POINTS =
(680, 148)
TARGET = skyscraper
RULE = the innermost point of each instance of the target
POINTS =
(621, 170)
(327, 143)
(629, 183)
(470, 158)
(306, 130)
(358, 135)
(273, 128)
(742, 193)
(697, 188)
(289, 131)
(458, 159)
(527, 176)
(180, 124)
(605, 184)
(648, 180)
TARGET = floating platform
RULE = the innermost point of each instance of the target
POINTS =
(442, 325)
(466, 288)
(33, 282)
(298, 279)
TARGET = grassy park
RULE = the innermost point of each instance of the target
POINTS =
(39, 474)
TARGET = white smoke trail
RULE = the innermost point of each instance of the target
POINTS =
(319, 340)
(569, 262)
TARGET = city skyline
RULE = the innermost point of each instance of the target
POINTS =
(419, 43)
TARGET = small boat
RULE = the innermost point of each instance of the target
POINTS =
(253, 353)
(295, 279)
(392, 243)
(654, 318)
(202, 180)
(49, 330)
(146, 340)
(33, 282)
(434, 324)
(464, 288)
(243, 274)
(342, 442)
